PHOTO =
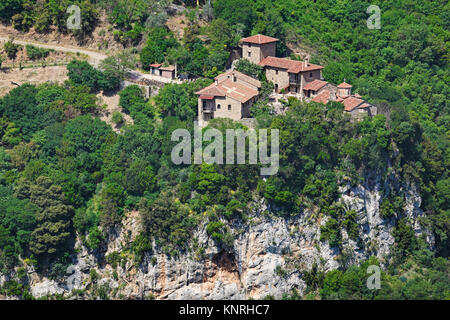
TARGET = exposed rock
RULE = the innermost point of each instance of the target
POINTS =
(269, 256)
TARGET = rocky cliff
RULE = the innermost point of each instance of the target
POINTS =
(269, 256)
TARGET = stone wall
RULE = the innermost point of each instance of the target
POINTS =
(258, 51)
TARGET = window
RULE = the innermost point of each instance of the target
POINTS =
(310, 74)
(276, 71)
(218, 106)
(249, 54)
(229, 107)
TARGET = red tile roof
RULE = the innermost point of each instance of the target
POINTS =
(237, 91)
(351, 103)
(315, 85)
(211, 90)
(259, 39)
(168, 68)
(365, 105)
(322, 97)
(291, 66)
(241, 76)
(229, 88)
(204, 97)
(156, 65)
(344, 85)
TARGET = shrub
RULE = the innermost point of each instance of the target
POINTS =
(35, 53)
(331, 232)
(117, 117)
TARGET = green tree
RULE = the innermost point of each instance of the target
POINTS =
(11, 50)
(82, 73)
(53, 219)
(8, 8)
(158, 43)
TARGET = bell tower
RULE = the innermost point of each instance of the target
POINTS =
(258, 47)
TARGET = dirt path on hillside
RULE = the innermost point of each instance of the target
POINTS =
(94, 57)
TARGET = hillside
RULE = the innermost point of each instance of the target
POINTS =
(92, 205)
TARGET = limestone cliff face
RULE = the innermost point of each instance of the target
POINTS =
(269, 256)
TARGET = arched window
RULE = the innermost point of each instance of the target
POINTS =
(218, 106)
(229, 107)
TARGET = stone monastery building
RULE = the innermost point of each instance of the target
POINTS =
(233, 93)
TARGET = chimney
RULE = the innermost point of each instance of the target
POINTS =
(306, 61)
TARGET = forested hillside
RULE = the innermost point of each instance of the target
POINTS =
(67, 177)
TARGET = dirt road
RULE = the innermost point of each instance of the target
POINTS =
(94, 57)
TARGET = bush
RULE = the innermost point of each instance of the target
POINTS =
(95, 237)
(331, 232)
(35, 53)
(117, 118)
(391, 207)
(140, 246)
(218, 232)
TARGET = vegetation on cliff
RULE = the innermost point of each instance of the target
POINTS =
(64, 172)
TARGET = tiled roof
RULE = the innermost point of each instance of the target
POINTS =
(351, 103)
(259, 39)
(365, 105)
(291, 66)
(315, 85)
(237, 91)
(211, 90)
(241, 76)
(156, 65)
(344, 85)
(168, 68)
(204, 97)
(322, 97)
(229, 88)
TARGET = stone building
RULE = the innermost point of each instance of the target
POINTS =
(287, 75)
(257, 48)
(290, 75)
(233, 93)
(353, 103)
(230, 96)
(158, 69)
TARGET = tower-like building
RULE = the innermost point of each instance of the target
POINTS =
(257, 48)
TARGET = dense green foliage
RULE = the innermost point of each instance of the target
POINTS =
(64, 172)
(108, 79)
(35, 53)
(24, 14)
